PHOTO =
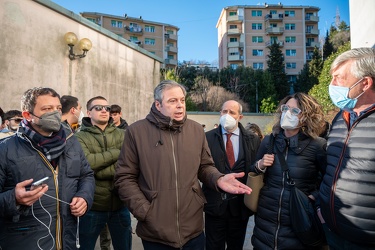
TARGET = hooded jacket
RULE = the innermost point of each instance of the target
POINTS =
(102, 149)
(305, 157)
(157, 177)
(19, 161)
(347, 192)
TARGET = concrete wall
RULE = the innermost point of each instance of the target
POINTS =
(362, 22)
(33, 53)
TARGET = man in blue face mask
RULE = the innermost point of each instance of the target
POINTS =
(347, 192)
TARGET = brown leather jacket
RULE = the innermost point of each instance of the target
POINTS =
(157, 177)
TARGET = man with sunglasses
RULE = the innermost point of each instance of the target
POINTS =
(101, 141)
(347, 192)
(13, 119)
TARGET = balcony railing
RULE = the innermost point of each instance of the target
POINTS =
(312, 31)
(234, 31)
(170, 61)
(235, 58)
(274, 17)
(312, 18)
(171, 49)
(136, 30)
(235, 18)
(235, 45)
(269, 43)
(312, 44)
(171, 36)
(274, 30)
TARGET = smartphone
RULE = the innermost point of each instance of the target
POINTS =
(40, 182)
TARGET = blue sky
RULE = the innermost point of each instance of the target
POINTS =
(196, 18)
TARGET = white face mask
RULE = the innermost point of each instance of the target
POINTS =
(228, 122)
(289, 121)
(81, 115)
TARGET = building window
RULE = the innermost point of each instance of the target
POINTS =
(257, 39)
(119, 24)
(256, 26)
(149, 41)
(116, 24)
(258, 65)
(290, 39)
(235, 53)
(152, 52)
(290, 26)
(233, 13)
(291, 52)
(290, 13)
(257, 52)
(120, 35)
(292, 78)
(256, 13)
(233, 39)
(133, 39)
(291, 65)
(149, 28)
(234, 66)
(170, 32)
(233, 26)
(113, 23)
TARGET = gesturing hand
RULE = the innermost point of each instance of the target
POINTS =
(230, 184)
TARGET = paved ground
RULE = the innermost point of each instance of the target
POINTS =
(137, 244)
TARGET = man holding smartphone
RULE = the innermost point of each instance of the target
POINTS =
(42, 216)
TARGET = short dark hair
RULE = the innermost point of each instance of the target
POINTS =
(89, 102)
(2, 116)
(28, 100)
(115, 109)
(68, 102)
(12, 113)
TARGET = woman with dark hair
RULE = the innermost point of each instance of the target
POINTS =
(299, 122)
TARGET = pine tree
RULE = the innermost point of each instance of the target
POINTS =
(327, 47)
(276, 67)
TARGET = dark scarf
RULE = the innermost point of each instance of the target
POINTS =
(164, 122)
(52, 147)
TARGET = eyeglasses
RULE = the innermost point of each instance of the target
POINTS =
(17, 120)
(293, 111)
(100, 107)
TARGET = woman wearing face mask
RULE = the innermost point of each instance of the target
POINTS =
(299, 121)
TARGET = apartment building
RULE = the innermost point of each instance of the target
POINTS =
(245, 31)
(157, 38)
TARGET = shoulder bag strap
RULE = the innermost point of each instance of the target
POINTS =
(284, 166)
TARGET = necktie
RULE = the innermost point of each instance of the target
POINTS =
(229, 151)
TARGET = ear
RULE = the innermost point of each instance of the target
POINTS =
(72, 109)
(26, 115)
(157, 105)
(241, 116)
(368, 84)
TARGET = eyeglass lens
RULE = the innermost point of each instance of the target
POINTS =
(294, 111)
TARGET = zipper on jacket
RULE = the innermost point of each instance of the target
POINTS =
(177, 196)
(55, 180)
(280, 202)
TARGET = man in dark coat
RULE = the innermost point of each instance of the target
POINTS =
(226, 216)
(45, 216)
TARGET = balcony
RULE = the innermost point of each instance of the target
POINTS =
(170, 61)
(274, 30)
(312, 44)
(134, 30)
(314, 32)
(171, 49)
(309, 57)
(170, 37)
(269, 43)
(234, 31)
(235, 19)
(235, 58)
(235, 45)
(313, 19)
(274, 17)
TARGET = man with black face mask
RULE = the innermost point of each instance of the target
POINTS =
(45, 216)
(347, 192)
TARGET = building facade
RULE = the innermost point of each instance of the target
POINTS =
(245, 32)
(158, 38)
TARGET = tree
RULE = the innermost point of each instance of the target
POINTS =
(276, 67)
(315, 66)
(303, 82)
(320, 91)
(327, 47)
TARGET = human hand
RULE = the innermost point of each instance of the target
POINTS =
(78, 206)
(24, 197)
(230, 184)
(266, 161)
(320, 216)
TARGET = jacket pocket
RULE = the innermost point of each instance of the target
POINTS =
(73, 165)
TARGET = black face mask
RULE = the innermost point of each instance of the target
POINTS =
(49, 122)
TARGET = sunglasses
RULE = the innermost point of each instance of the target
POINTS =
(100, 107)
(18, 120)
(293, 111)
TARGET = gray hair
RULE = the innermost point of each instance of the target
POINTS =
(364, 62)
(28, 100)
(239, 106)
(164, 85)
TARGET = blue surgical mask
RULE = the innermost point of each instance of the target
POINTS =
(339, 96)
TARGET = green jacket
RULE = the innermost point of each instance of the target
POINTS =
(102, 149)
